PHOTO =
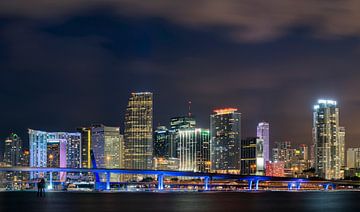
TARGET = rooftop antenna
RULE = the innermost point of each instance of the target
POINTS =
(189, 108)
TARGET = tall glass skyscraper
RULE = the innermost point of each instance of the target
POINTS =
(106, 145)
(176, 124)
(252, 156)
(161, 142)
(193, 150)
(225, 130)
(342, 146)
(13, 150)
(327, 140)
(139, 131)
(85, 146)
(262, 132)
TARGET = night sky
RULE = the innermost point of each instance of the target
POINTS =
(72, 63)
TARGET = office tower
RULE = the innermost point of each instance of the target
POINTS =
(54, 149)
(187, 150)
(342, 146)
(13, 150)
(252, 156)
(225, 141)
(353, 158)
(282, 152)
(275, 169)
(138, 131)
(193, 150)
(106, 145)
(85, 146)
(263, 133)
(161, 142)
(73, 149)
(326, 139)
(177, 123)
(38, 148)
(202, 150)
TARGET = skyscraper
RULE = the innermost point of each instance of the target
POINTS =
(176, 124)
(326, 139)
(225, 141)
(85, 146)
(193, 150)
(342, 146)
(263, 133)
(353, 158)
(38, 148)
(139, 131)
(106, 145)
(252, 156)
(13, 150)
(161, 142)
(63, 146)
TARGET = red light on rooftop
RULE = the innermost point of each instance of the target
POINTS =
(225, 111)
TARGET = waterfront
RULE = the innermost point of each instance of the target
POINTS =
(181, 201)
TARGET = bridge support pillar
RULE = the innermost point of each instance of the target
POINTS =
(298, 186)
(206, 182)
(50, 181)
(250, 182)
(107, 180)
(290, 184)
(160, 179)
(257, 185)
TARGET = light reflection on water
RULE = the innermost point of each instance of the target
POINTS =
(185, 201)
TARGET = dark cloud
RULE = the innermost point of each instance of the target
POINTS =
(245, 20)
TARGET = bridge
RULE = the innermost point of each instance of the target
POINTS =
(252, 181)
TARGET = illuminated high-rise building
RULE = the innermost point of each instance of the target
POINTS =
(13, 150)
(262, 132)
(225, 141)
(161, 142)
(193, 150)
(326, 139)
(106, 145)
(38, 148)
(85, 146)
(54, 149)
(176, 124)
(139, 131)
(342, 146)
(252, 156)
(353, 158)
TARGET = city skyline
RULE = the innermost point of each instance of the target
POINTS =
(249, 129)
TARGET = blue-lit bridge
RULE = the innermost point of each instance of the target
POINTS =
(252, 181)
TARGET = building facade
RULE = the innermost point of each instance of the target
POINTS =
(54, 149)
(106, 146)
(252, 157)
(193, 150)
(161, 142)
(326, 139)
(85, 157)
(225, 130)
(13, 150)
(263, 132)
(138, 134)
(353, 158)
